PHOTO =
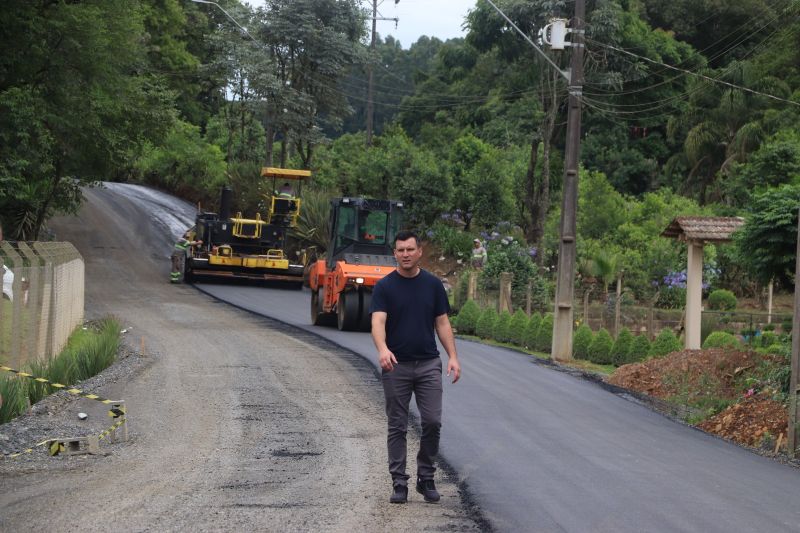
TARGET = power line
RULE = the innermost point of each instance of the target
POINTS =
(696, 74)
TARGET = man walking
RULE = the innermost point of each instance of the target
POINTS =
(407, 305)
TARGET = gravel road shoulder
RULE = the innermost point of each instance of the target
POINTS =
(236, 421)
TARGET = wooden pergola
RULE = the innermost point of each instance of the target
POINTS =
(696, 232)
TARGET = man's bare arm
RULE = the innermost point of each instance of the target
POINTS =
(386, 358)
(448, 340)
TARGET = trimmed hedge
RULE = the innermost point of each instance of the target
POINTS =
(544, 335)
(722, 300)
(500, 331)
(581, 340)
(531, 330)
(600, 348)
(665, 343)
(720, 339)
(516, 330)
(640, 347)
(484, 328)
(621, 347)
(467, 318)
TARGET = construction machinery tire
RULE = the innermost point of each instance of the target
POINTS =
(365, 319)
(318, 316)
(347, 311)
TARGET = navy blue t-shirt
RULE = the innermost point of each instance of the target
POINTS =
(411, 306)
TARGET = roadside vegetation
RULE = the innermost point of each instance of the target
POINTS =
(699, 118)
(88, 352)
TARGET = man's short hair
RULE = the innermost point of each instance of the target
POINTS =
(404, 235)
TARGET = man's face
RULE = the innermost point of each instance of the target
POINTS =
(407, 253)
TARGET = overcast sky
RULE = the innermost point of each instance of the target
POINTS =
(434, 18)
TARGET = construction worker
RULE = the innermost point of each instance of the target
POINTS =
(479, 255)
(285, 191)
(179, 254)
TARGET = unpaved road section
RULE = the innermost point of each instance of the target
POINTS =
(237, 423)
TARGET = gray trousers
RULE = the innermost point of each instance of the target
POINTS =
(423, 379)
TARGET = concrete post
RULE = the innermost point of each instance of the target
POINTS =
(472, 286)
(694, 296)
(505, 292)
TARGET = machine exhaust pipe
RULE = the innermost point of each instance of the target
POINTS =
(225, 201)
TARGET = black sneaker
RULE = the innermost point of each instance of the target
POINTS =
(399, 494)
(427, 488)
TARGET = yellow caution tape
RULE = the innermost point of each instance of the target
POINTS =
(76, 392)
(28, 450)
(107, 432)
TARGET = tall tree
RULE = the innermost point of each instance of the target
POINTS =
(75, 101)
(312, 43)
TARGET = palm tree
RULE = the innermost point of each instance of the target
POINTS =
(721, 125)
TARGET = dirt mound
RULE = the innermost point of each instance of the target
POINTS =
(755, 421)
(689, 373)
(709, 381)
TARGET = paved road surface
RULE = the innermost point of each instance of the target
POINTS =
(543, 450)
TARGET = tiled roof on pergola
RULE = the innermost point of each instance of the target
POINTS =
(703, 229)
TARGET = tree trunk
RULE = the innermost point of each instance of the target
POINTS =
(530, 188)
(45, 205)
(270, 148)
(541, 190)
(284, 147)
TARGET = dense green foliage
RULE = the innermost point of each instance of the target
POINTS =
(581, 341)
(640, 348)
(87, 353)
(516, 329)
(621, 347)
(666, 342)
(469, 132)
(532, 330)
(600, 348)
(720, 339)
(484, 328)
(501, 327)
(544, 334)
(722, 300)
(467, 318)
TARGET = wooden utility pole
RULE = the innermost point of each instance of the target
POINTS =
(565, 287)
(793, 432)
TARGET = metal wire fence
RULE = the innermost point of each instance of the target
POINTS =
(641, 318)
(42, 303)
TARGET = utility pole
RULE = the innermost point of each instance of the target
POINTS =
(793, 431)
(561, 349)
(371, 83)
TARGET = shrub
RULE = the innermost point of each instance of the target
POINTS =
(720, 339)
(485, 325)
(768, 327)
(768, 338)
(509, 255)
(665, 343)
(460, 294)
(516, 330)
(452, 240)
(544, 335)
(500, 331)
(722, 300)
(600, 348)
(532, 330)
(581, 340)
(786, 326)
(468, 317)
(640, 347)
(621, 347)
